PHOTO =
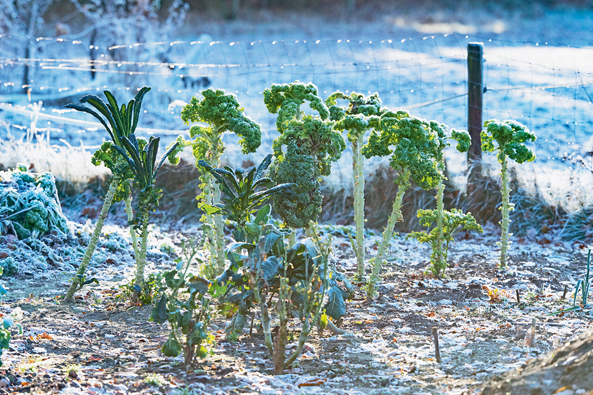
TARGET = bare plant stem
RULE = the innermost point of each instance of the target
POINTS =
(358, 172)
(439, 264)
(506, 208)
(396, 215)
(141, 265)
(130, 214)
(77, 281)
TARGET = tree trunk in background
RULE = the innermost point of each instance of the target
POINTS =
(30, 33)
(93, 54)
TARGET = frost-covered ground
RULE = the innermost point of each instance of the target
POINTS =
(388, 347)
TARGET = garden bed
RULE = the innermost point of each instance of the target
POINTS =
(103, 344)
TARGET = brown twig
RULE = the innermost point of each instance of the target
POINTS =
(435, 337)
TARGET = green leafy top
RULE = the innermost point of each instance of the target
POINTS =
(243, 192)
(416, 146)
(222, 113)
(361, 114)
(118, 121)
(510, 136)
(286, 100)
(143, 162)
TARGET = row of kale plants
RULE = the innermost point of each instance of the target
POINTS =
(265, 267)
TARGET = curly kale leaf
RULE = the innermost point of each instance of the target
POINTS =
(463, 140)
(416, 146)
(358, 104)
(286, 99)
(222, 113)
(510, 137)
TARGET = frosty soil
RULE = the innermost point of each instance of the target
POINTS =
(388, 347)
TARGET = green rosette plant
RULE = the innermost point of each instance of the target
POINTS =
(222, 113)
(304, 151)
(119, 122)
(508, 139)
(357, 118)
(141, 157)
(451, 222)
(412, 146)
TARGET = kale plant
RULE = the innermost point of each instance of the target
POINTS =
(120, 123)
(141, 157)
(361, 115)
(451, 222)
(304, 151)
(242, 197)
(222, 113)
(510, 138)
(186, 305)
(414, 155)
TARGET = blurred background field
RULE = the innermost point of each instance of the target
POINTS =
(538, 70)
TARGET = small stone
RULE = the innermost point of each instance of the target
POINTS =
(4, 383)
(39, 350)
(72, 374)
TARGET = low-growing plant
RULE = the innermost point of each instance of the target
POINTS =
(154, 379)
(222, 113)
(303, 152)
(142, 161)
(451, 222)
(145, 294)
(414, 155)
(185, 304)
(583, 285)
(510, 138)
(120, 123)
(361, 115)
(29, 205)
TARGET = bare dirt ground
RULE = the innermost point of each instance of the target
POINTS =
(102, 344)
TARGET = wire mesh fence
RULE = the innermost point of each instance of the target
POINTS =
(546, 87)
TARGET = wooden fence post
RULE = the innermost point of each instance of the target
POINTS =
(475, 92)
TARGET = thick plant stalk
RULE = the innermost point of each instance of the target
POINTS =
(219, 233)
(506, 208)
(395, 217)
(358, 169)
(439, 264)
(76, 281)
(141, 263)
(280, 340)
(130, 214)
(265, 320)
